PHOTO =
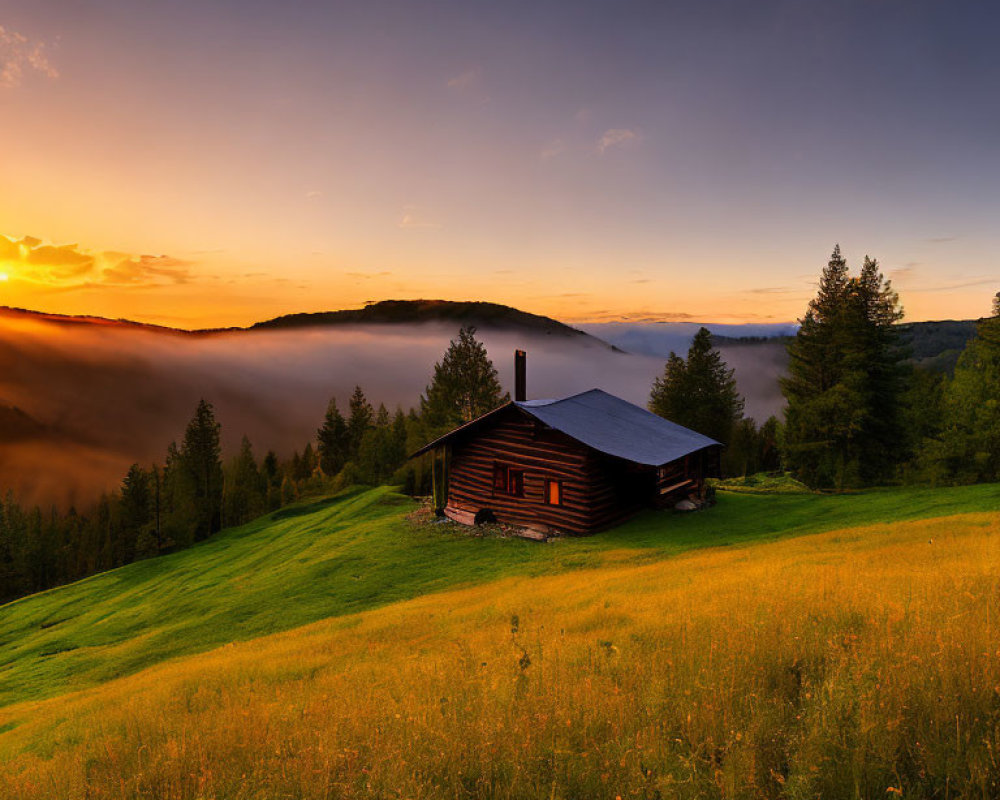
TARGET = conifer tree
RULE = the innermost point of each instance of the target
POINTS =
(308, 462)
(271, 472)
(667, 398)
(201, 460)
(245, 490)
(464, 386)
(134, 511)
(845, 382)
(969, 446)
(13, 575)
(333, 441)
(699, 393)
(359, 419)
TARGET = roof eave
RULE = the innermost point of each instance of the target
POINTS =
(471, 425)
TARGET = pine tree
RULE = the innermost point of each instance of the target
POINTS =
(134, 511)
(769, 441)
(271, 472)
(464, 386)
(308, 463)
(699, 393)
(201, 459)
(969, 445)
(845, 383)
(399, 434)
(245, 490)
(13, 574)
(359, 419)
(669, 393)
(375, 458)
(333, 441)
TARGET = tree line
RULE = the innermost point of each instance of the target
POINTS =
(195, 492)
(858, 413)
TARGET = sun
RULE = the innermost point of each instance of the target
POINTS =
(3, 277)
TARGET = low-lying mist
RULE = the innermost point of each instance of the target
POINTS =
(99, 398)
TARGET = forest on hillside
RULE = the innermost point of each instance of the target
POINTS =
(862, 410)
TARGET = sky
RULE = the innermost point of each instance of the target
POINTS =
(202, 164)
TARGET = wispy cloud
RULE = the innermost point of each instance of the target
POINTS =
(770, 290)
(415, 218)
(949, 287)
(20, 55)
(467, 81)
(313, 194)
(942, 239)
(637, 317)
(146, 270)
(617, 137)
(69, 267)
(552, 149)
(368, 275)
(469, 85)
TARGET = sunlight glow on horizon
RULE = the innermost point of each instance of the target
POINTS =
(260, 163)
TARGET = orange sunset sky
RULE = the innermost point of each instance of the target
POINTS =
(196, 167)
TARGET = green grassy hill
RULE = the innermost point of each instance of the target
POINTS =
(357, 551)
(651, 661)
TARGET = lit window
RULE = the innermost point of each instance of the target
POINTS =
(553, 493)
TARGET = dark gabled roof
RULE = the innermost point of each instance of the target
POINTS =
(604, 423)
(617, 427)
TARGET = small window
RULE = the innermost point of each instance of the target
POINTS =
(515, 483)
(500, 478)
(553, 493)
(508, 481)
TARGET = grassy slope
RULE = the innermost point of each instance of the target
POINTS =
(355, 552)
(856, 663)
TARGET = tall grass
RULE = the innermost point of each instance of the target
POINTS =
(356, 551)
(857, 663)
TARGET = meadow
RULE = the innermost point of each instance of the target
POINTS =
(721, 654)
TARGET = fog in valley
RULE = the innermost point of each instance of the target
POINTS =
(97, 398)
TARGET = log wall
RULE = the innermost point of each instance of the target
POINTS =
(597, 491)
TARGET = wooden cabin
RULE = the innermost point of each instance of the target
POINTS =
(574, 465)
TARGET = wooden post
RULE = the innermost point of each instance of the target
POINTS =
(434, 482)
(445, 474)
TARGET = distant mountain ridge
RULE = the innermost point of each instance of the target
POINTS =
(934, 345)
(384, 312)
(394, 312)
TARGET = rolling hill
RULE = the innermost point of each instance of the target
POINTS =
(709, 655)
(106, 394)
(356, 551)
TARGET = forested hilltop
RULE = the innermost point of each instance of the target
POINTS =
(933, 345)
(383, 312)
(859, 414)
(397, 312)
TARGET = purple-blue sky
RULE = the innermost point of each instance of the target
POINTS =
(215, 163)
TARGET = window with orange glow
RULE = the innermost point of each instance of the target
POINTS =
(553, 493)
